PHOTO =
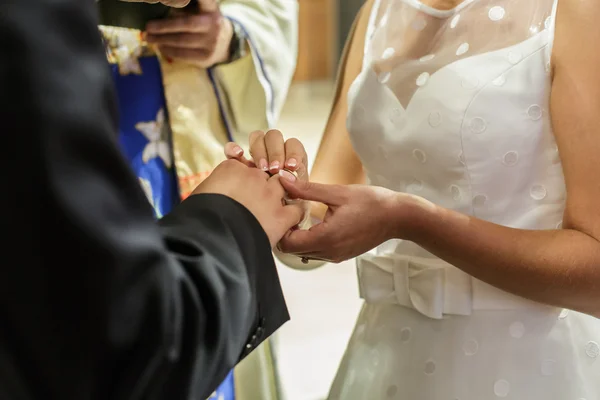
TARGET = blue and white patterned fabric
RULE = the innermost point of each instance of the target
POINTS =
(144, 136)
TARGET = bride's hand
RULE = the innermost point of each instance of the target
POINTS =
(359, 218)
(271, 153)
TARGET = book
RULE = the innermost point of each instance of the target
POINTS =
(135, 15)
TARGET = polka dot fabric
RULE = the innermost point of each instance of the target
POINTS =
(453, 106)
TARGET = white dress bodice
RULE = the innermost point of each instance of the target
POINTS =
(453, 106)
(455, 109)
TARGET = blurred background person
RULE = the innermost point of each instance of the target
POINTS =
(186, 86)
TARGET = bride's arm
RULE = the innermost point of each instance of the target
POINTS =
(336, 162)
(557, 267)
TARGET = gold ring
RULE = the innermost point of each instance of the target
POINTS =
(291, 172)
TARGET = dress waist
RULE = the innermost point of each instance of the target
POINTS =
(431, 286)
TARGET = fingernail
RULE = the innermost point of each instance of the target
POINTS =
(274, 166)
(263, 164)
(237, 150)
(292, 163)
(287, 175)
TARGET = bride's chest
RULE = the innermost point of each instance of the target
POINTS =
(487, 110)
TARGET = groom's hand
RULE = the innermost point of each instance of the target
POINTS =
(358, 219)
(261, 194)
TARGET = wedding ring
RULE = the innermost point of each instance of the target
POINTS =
(291, 172)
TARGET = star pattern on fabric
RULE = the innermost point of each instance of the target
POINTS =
(157, 134)
(128, 61)
(147, 188)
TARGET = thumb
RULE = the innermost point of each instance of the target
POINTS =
(327, 194)
(208, 6)
(293, 215)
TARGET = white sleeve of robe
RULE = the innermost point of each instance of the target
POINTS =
(252, 90)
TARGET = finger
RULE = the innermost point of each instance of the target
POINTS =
(189, 23)
(258, 150)
(331, 195)
(292, 215)
(195, 55)
(296, 158)
(304, 242)
(275, 150)
(276, 187)
(208, 5)
(235, 152)
(182, 40)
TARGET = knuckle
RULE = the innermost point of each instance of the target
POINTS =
(256, 174)
(230, 164)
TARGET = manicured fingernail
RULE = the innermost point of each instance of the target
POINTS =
(274, 166)
(237, 150)
(291, 163)
(262, 164)
(287, 175)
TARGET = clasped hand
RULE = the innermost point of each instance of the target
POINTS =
(202, 39)
(170, 3)
(358, 217)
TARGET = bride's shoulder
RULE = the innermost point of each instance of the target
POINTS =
(577, 33)
(361, 22)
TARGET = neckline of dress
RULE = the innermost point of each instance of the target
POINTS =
(434, 12)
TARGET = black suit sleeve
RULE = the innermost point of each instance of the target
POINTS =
(97, 300)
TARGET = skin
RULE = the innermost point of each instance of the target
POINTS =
(201, 39)
(555, 267)
(259, 192)
(170, 3)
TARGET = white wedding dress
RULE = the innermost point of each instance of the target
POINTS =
(453, 106)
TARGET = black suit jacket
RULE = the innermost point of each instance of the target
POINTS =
(97, 300)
